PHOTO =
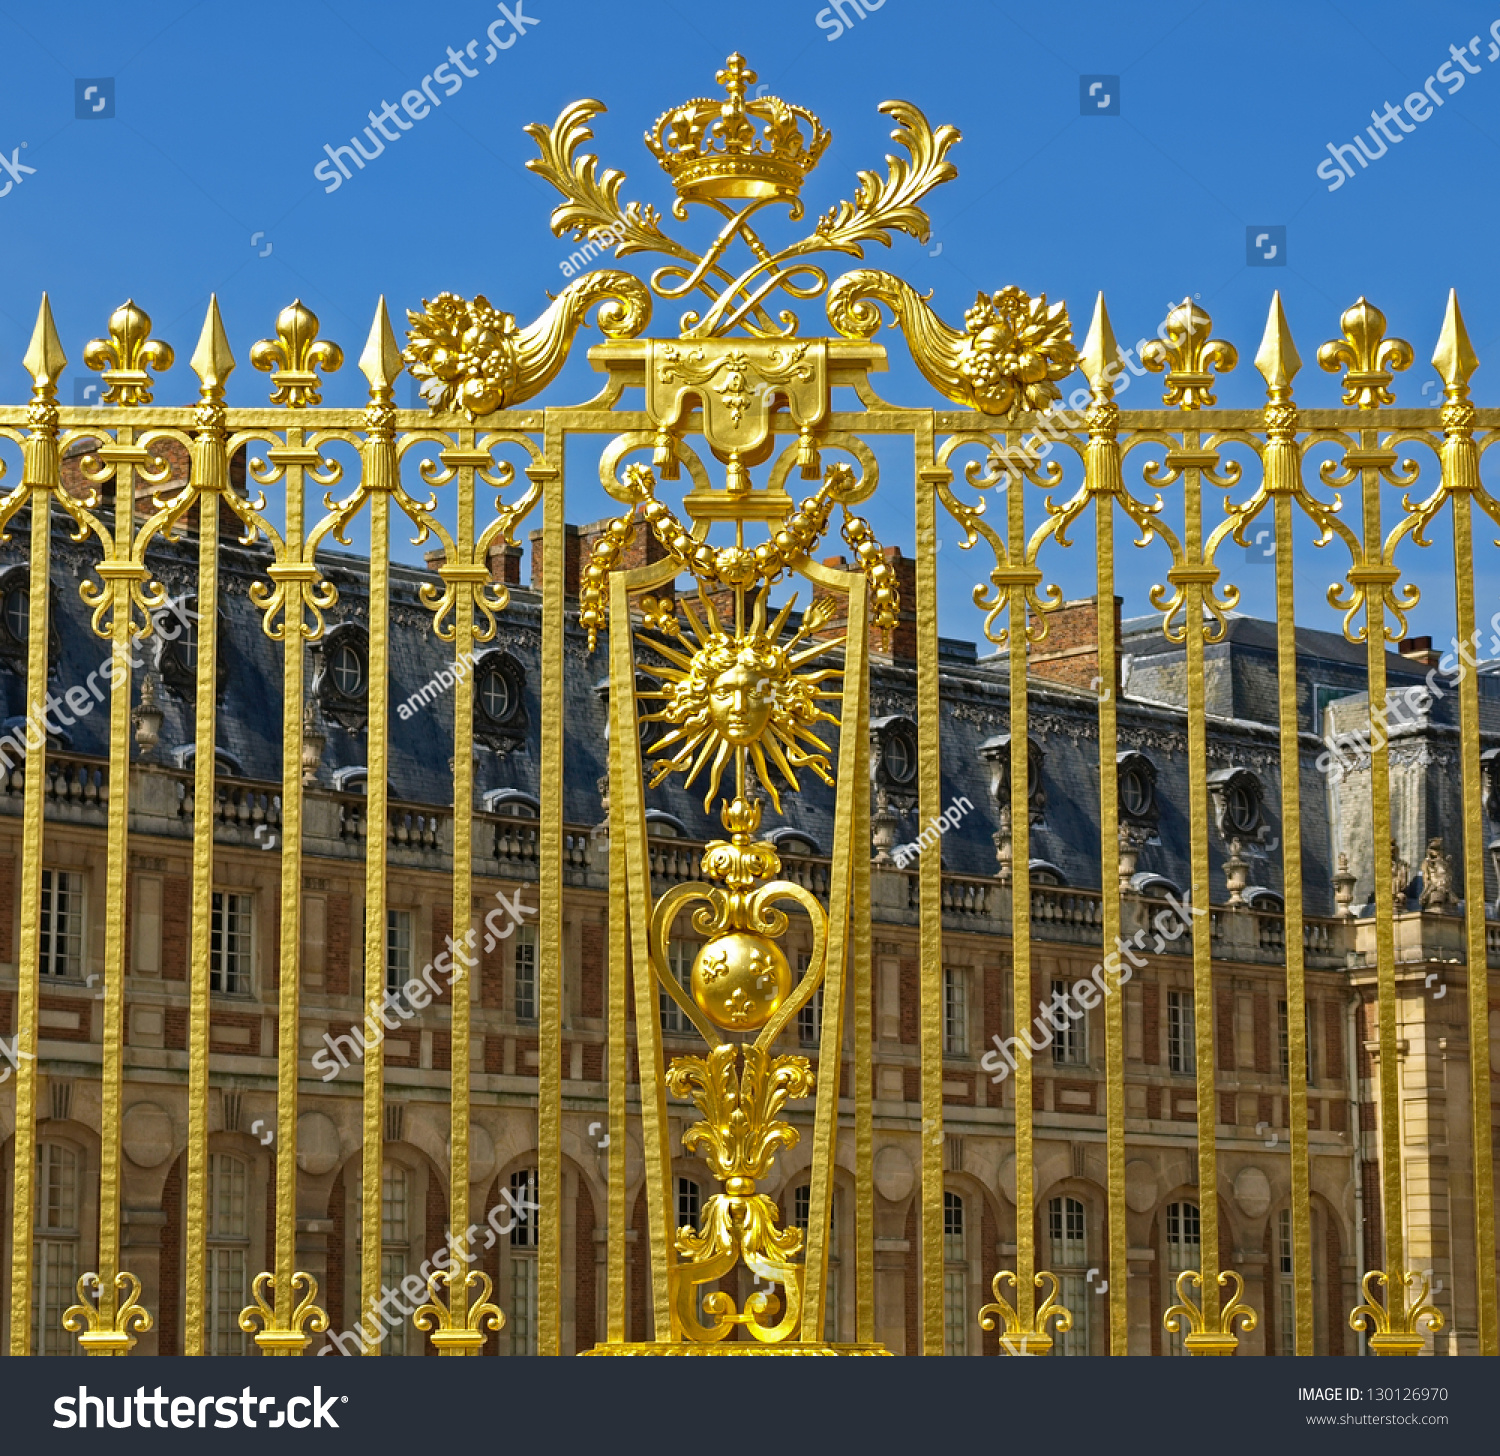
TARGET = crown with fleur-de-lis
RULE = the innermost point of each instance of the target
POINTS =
(711, 148)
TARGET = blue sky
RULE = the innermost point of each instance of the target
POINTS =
(203, 178)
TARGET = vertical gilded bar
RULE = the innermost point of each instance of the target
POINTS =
(853, 736)
(1455, 361)
(550, 918)
(44, 361)
(1278, 361)
(930, 879)
(212, 362)
(1103, 481)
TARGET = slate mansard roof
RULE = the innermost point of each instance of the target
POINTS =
(975, 691)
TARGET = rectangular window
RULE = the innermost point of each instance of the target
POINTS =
(1286, 1289)
(810, 1018)
(1070, 1046)
(228, 1249)
(55, 1261)
(1284, 1041)
(955, 1011)
(397, 950)
(229, 943)
(395, 1238)
(521, 1314)
(525, 972)
(1183, 1252)
(680, 957)
(955, 1278)
(1075, 1294)
(1182, 1053)
(62, 923)
(801, 1216)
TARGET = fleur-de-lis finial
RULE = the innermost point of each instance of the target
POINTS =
(1393, 1321)
(127, 355)
(1369, 357)
(464, 1335)
(1205, 1336)
(1189, 357)
(1049, 1313)
(97, 1331)
(296, 354)
(1277, 358)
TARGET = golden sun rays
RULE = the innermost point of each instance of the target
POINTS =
(738, 694)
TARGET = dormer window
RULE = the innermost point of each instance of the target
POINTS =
(1137, 788)
(1238, 804)
(500, 702)
(341, 676)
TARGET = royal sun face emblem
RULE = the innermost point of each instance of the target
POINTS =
(740, 694)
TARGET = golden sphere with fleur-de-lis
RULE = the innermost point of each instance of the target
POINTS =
(739, 979)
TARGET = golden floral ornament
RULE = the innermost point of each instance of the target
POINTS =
(456, 1324)
(1006, 362)
(472, 357)
(739, 1138)
(288, 1334)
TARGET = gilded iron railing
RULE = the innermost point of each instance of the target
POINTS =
(761, 398)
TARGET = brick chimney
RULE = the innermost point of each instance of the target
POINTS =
(1069, 653)
(570, 560)
(1419, 650)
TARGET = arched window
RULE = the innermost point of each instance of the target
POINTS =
(55, 1263)
(228, 1252)
(955, 1278)
(395, 1244)
(1067, 1229)
(1183, 1252)
(524, 1231)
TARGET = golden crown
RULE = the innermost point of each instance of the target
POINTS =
(710, 148)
